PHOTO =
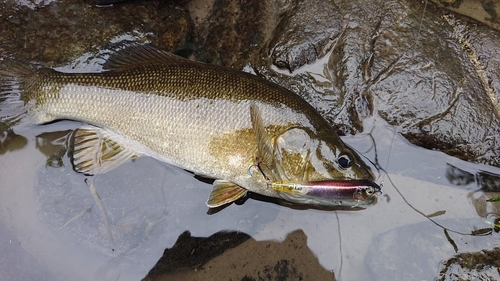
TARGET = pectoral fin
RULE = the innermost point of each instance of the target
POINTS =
(224, 192)
(96, 151)
(265, 147)
(263, 139)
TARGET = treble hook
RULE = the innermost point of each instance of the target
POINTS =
(258, 165)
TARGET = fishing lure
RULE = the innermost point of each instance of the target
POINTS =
(342, 192)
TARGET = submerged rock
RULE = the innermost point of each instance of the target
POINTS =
(483, 265)
(193, 252)
(236, 256)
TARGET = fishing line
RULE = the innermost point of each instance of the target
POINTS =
(387, 162)
(340, 245)
(479, 232)
(375, 163)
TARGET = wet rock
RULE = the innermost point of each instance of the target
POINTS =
(107, 2)
(484, 265)
(485, 11)
(467, 126)
(434, 77)
(298, 41)
(235, 31)
(57, 31)
(434, 80)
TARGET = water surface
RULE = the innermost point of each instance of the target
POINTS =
(53, 228)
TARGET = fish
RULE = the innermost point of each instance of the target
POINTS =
(341, 192)
(234, 127)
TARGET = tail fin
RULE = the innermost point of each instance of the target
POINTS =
(14, 76)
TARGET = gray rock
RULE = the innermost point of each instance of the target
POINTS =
(434, 77)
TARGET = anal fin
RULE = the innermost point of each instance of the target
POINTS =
(224, 192)
(97, 151)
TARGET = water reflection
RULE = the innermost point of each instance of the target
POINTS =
(488, 184)
(388, 257)
(487, 181)
(10, 141)
(237, 256)
(458, 176)
(54, 145)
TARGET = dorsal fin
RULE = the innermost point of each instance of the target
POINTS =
(125, 55)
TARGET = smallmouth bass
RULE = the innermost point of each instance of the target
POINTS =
(239, 129)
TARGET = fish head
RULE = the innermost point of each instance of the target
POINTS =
(301, 153)
(304, 155)
(340, 161)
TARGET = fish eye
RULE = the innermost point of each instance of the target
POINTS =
(344, 161)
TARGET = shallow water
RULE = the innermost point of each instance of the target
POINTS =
(53, 229)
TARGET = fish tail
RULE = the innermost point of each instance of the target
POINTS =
(14, 83)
